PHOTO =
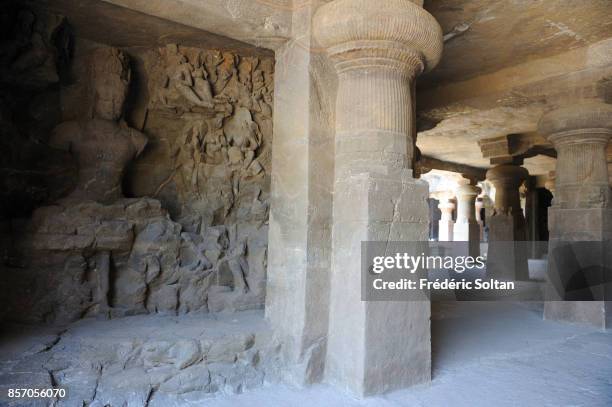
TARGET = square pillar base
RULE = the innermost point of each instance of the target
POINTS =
(468, 232)
(375, 347)
(594, 313)
(581, 224)
(507, 260)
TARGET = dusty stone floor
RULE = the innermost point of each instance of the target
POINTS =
(485, 354)
(139, 360)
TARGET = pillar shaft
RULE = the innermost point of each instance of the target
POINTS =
(479, 206)
(466, 227)
(507, 224)
(299, 259)
(446, 223)
(373, 124)
(378, 49)
(582, 205)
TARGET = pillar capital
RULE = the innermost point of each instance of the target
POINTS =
(580, 134)
(467, 190)
(583, 123)
(507, 179)
(378, 48)
(396, 34)
(446, 206)
(507, 174)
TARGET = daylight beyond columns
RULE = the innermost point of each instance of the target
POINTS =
(378, 49)
(582, 207)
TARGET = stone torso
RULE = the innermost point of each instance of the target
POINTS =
(102, 149)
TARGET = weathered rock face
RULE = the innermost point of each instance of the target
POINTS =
(142, 360)
(61, 247)
(200, 242)
(210, 124)
(33, 52)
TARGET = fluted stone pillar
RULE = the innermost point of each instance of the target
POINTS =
(466, 227)
(507, 224)
(446, 224)
(582, 207)
(378, 48)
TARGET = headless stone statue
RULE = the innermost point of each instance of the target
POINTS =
(103, 145)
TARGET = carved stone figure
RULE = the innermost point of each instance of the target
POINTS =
(243, 138)
(30, 52)
(104, 144)
(236, 262)
(180, 81)
(226, 70)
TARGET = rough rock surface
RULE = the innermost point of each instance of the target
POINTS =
(33, 53)
(141, 360)
(155, 266)
(208, 121)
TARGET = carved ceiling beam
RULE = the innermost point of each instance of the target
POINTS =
(515, 148)
(425, 164)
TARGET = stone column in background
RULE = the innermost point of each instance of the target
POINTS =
(378, 48)
(507, 225)
(434, 218)
(479, 207)
(446, 223)
(582, 207)
(550, 183)
(466, 227)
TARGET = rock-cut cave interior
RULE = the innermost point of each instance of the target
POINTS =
(187, 188)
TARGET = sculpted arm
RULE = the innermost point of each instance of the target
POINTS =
(138, 140)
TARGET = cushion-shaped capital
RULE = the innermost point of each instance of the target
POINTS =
(588, 118)
(507, 174)
(467, 190)
(389, 24)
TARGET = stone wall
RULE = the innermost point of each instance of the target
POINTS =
(33, 54)
(192, 234)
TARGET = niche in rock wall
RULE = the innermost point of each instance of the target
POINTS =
(191, 232)
(209, 122)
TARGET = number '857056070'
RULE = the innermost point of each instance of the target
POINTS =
(46, 393)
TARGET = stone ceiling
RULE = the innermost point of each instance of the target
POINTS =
(504, 33)
(122, 27)
(516, 60)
